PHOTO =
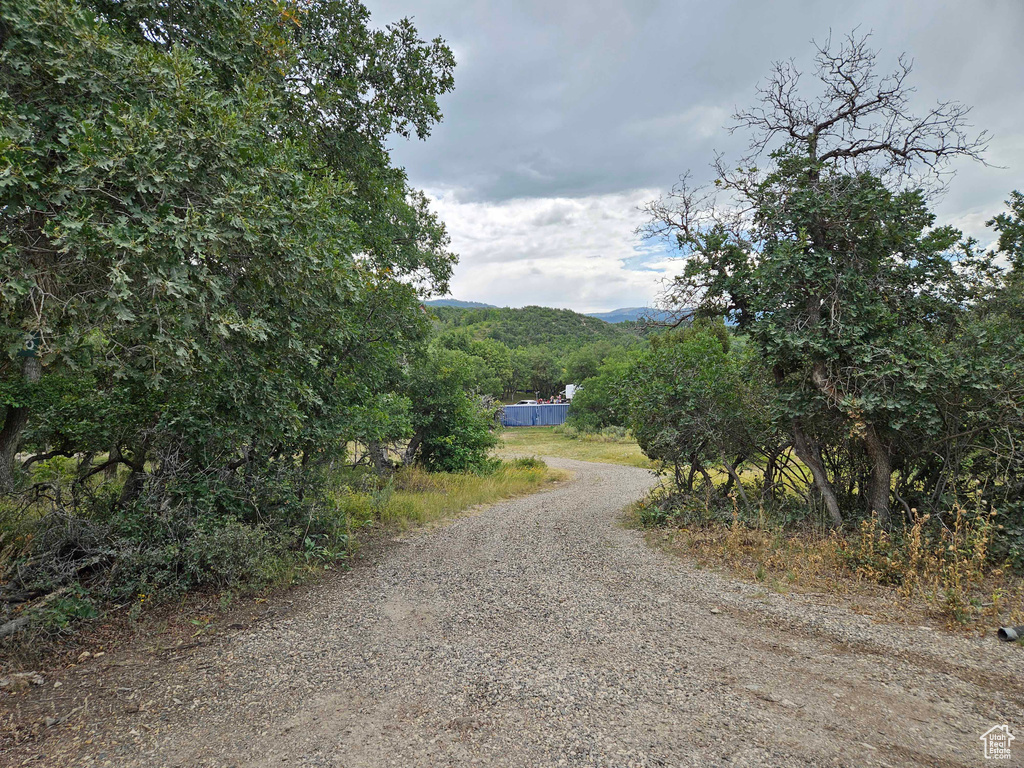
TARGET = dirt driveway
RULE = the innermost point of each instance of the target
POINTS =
(541, 633)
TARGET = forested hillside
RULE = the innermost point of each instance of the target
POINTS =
(532, 326)
(458, 303)
(635, 315)
(533, 351)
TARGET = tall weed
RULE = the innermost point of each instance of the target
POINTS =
(945, 564)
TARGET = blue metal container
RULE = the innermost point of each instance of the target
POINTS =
(548, 415)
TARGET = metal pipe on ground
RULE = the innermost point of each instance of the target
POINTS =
(1010, 634)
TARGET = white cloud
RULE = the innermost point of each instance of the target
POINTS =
(561, 109)
(576, 252)
(579, 253)
(972, 224)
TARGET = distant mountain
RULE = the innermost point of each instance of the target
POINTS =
(628, 314)
(459, 304)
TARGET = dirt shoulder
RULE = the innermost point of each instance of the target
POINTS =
(538, 632)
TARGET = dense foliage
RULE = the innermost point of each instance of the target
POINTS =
(453, 426)
(602, 400)
(219, 271)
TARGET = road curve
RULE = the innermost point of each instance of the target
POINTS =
(540, 632)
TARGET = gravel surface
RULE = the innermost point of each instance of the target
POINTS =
(542, 633)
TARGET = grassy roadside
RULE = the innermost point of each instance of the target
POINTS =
(898, 576)
(563, 444)
(413, 497)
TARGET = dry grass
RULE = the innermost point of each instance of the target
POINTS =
(906, 578)
(544, 441)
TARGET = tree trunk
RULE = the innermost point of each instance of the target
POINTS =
(409, 455)
(379, 457)
(696, 466)
(15, 420)
(707, 478)
(809, 453)
(734, 477)
(769, 475)
(81, 473)
(110, 473)
(136, 478)
(880, 485)
(84, 465)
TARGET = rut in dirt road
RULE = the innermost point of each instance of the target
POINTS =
(542, 633)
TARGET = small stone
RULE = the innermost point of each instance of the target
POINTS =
(716, 610)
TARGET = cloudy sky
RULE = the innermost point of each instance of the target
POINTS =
(568, 115)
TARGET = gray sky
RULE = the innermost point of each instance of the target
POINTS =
(567, 116)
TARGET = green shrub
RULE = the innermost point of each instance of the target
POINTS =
(75, 605)
(461, 442)
(527, 462)
(615, 433)
(662, 508)
(225, 554)
(602, 400)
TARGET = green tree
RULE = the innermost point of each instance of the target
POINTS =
(603, 399)
(827, 254)
(583, 363)
(491, 360)
(453, 429)
(201, 225)
(994, 414)
(536, 370)
(198, 201)
(693, 401)
(1010, 226)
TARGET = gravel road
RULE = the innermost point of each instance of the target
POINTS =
(542, 633)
